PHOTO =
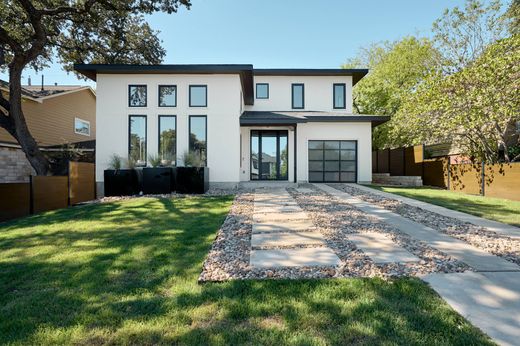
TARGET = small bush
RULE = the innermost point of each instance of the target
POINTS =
(192, 159)
(115, 162)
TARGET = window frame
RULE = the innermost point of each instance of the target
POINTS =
(205, 86)
(344, 85)
(256, 91)
(85, 121)
(174, 163)
(145, 134)
(293, 85)
(159, 94)
(145, 99)
(205, 134)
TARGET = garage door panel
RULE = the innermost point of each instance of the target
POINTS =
(332, 161)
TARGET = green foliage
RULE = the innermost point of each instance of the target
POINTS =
(115, 162)
(154, 160)
(512, 15)
(475, 108)
(192, 159)
(396, 69)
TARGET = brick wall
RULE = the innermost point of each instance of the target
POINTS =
(14, 167)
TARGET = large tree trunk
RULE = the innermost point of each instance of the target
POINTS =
(29, 146)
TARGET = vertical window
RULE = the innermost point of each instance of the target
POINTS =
(137, 96)
(298, 96)
(81, 127)
(198, 137)
(168, 139)
(262, 90)
(198, 95)
(137, 139)
(339, 96)
(167, 96)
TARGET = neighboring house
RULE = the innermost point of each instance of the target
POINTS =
(300, 120)
(56, 115)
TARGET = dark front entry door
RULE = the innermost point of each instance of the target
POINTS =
(269, 155)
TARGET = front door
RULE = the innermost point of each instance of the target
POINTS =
(269, 155)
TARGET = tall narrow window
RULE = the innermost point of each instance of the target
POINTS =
(198, 137)
(262, 90)
(339, 96)
(137, 96)
(137, 139)
(298, 96)
(198, 95)
(168, 139)
(167, 95)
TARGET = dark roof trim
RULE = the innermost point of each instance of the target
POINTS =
(356, 73)
(374, 119)
(251, 118)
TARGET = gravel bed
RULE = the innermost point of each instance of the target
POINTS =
(337, 219)
(480, 237)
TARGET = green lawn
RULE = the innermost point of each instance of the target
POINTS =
(126, 273)
(497, 209)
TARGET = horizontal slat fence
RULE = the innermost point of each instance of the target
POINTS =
(45, 193)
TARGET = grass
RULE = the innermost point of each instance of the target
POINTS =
(502, 210)
(126, 273)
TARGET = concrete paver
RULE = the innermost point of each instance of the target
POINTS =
(381, 249)
(287, 239)
(301, 257)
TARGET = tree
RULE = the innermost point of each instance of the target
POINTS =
(476, 108)
(461, 35)
(396, 69)
(82, 31)
(512, 15)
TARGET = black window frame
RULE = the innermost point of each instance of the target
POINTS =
(145, 99)
(260, 133)
(256, 91)
(145, 137)
(159, 94)
(292, 95)
(205, 134)
(205, 86)
(174, 163)
(344, 85)
(356, 147)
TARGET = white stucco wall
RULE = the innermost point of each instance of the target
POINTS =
(361, 132)
(223, 111)
(318, 93)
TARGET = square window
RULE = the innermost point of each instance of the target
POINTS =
(198, 95)
(339, 96)
(262, 90)
(298, 96)
(81, 127)
(137, 96)
(167, 95)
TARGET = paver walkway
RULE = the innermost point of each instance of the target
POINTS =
(495, 226)
(283, 235)
(489, 298)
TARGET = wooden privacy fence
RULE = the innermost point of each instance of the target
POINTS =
(497, 180)
(44, 193)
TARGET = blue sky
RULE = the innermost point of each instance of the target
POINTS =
(280, 33)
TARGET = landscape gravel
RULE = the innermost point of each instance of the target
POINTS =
(480, 237)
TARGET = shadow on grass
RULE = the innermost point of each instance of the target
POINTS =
(126, 273)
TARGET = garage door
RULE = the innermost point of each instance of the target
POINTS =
(333, 161)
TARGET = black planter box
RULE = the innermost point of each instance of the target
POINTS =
(121, 182)
(192, 179)
(157, 180)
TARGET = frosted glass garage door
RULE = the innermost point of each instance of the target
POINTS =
(333, 161)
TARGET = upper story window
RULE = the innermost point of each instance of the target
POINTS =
(198, 95)
(298, 96)
(262, 90)
(167, 96)
(81, 127)
(137, 96)
(339, 96)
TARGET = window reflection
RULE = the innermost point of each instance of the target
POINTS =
(198, 134)
(137, 140)
(167, 140)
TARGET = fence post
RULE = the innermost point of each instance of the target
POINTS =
(31, 199)
(449, 172)
(483, 179)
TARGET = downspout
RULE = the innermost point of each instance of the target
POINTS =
(295, 154)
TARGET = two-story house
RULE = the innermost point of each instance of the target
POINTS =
(291, 125)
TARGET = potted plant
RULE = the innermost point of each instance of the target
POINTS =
(120, 181)
(193, 177)
(157, 179)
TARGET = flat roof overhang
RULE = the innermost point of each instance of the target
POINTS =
(356, 73)
(252, 118)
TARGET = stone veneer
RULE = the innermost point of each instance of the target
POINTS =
(14, 167)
